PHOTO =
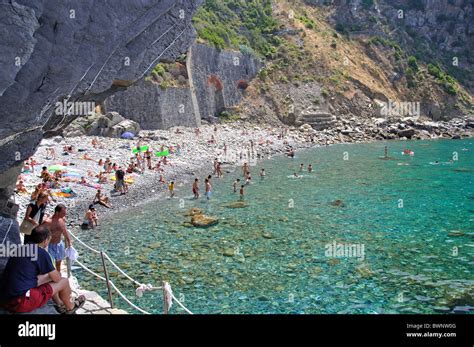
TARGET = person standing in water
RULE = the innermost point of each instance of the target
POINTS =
(385, 152)
(196, 188)
(245, 169)
(262, 173)
(310, 168)
(216, 162)
(208, 189)
(237, 181)
(171, 189)
(301, 167)
(241, 192)
(219, 170)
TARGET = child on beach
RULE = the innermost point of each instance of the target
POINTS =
(237, 181)
(196, 188)
(171, 189)
(90, 218)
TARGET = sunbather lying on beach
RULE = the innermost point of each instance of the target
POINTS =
(101, 199)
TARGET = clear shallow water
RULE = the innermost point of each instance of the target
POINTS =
(270, 257)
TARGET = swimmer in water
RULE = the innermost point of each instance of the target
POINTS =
(310, 168)
(295, 175)
(262, 173)
(301, 167)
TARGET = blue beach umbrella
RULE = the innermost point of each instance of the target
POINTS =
(128, 135)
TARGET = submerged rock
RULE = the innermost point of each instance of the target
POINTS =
(228, 252)
(364, 270)
(193, 212)
(455, 233)
(236, 204)
(338, 203)
(202, 220)
(268, 235)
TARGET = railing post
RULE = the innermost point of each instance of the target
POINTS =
(107, 279)
(68, 266)
(165, 302)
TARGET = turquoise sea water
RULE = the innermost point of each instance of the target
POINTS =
(414, 221)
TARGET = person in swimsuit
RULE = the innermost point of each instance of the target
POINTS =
(196, 188)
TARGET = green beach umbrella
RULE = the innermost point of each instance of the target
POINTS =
(54, 168)
(163, 154)
(142, 149)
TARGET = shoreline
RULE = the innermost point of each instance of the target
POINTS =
(194, 162)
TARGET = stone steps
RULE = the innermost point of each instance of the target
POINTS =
(317, 120)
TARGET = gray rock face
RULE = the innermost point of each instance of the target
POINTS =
(219, 77)
(153, 107)
(217, 80)
(52, 49)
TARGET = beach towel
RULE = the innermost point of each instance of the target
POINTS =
(129, 180)
(92, 185)
(62, 195)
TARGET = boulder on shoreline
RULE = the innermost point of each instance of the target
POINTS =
(203, 221)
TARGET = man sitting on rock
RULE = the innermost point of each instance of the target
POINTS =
(30, 280)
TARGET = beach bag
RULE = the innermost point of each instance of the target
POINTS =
(27, 227)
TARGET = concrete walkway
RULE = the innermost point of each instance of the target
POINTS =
(94, 304)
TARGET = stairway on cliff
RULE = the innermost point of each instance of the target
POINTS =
(318, 119)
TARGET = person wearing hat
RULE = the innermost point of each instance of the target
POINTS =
(90, 218)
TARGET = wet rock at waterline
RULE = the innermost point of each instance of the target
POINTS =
(203, 221)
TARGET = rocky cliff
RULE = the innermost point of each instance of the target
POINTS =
(56, 50)
(216, 81)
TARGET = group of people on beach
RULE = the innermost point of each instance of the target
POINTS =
(30, 282)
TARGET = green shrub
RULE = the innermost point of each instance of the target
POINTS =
(412, 63)
(233, 24)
